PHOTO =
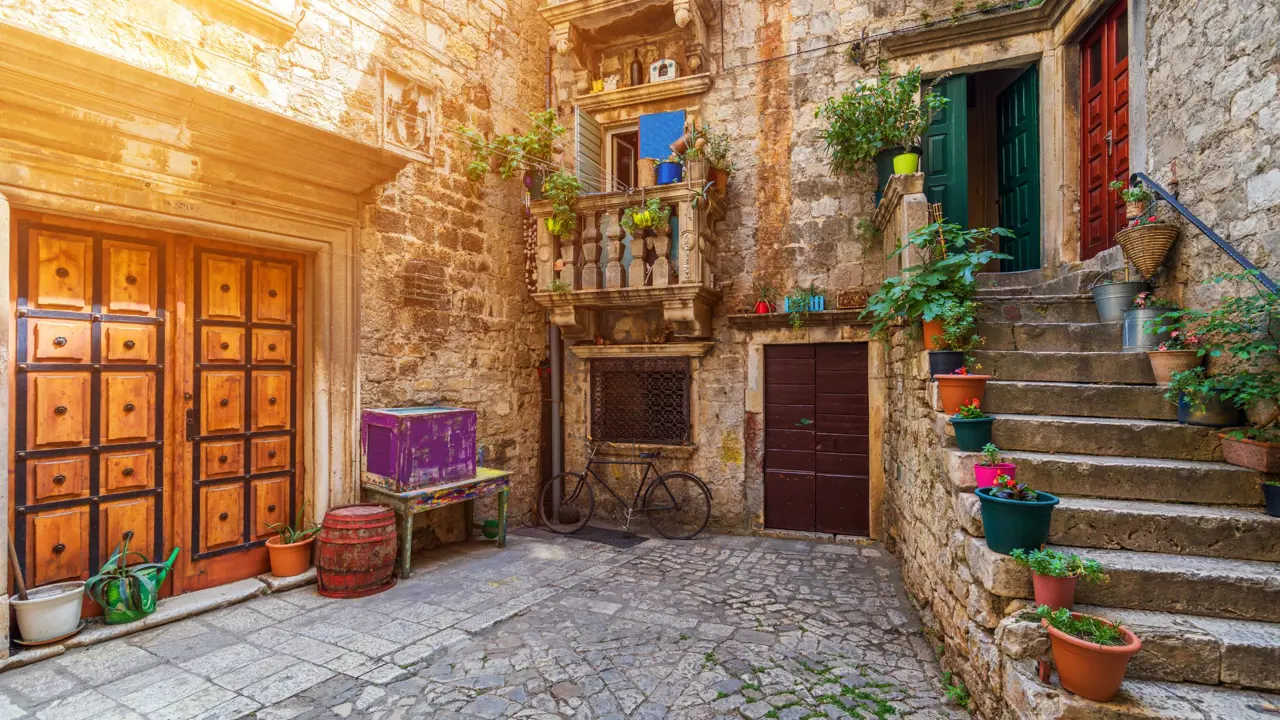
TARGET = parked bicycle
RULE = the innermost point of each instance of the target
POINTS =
(677, 504)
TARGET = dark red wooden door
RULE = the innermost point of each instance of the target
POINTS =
(816, 421)
(1104, 121)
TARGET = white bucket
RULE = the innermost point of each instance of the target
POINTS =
(49, 612)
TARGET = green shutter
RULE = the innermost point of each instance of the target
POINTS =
(1018, 170)
(946, 152)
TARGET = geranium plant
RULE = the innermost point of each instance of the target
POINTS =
(1148, 300)
(1137, 193)
(1180, 340)
(971, 411)
(1006, 488)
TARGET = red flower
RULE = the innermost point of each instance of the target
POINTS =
(977, 403)
(1151, 219)
(961, 371)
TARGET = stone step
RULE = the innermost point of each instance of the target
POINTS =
(1189, 585)
(1020, 279)
(1124, 368)
(1138, 700)
(1106, 436)
(1105, 400)
(1052, 337)
(1038, 308)
(1219, 531)
(1122, 478)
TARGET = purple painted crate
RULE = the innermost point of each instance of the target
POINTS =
(405, 449)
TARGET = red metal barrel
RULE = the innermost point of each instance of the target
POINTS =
(357, 551)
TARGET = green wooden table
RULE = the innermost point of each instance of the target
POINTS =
(407, 504)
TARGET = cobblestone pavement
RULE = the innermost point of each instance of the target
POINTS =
(718, 627)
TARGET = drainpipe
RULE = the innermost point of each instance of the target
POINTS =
(556, 350)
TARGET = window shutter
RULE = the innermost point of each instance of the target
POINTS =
(586, 140)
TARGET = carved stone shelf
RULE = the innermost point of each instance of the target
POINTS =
(752, 321)
(672, 349)
(687, 307)
(647, 93)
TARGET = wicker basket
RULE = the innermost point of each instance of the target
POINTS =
(1147, 245)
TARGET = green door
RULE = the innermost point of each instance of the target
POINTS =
(1018, 170)
(946, 152)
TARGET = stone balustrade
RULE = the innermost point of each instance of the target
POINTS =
(599, 266)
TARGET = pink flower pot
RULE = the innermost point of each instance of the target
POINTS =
(986, 476)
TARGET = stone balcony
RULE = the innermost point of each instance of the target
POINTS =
(608, 270)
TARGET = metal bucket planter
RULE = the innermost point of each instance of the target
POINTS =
(1136, 334)
(1215, 412)
(1013, 524)
(1113, 299)
(945, 362)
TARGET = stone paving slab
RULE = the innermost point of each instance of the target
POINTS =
(718, 627)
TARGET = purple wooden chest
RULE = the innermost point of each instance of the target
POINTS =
(405, 449)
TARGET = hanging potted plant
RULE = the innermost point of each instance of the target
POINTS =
(290, 550)
(959, 336)
(562, 189)
(1091, 654)
(128, 592)
(950, 259)
(515, 155)
(1054, 575)
(718, 150)
(972, 427)
(640, 220)
(877, 115)
(990, 467)
(961, 387)
(1142, 329)
(1135, 198)
(1113, 297)
(1145, 242)
(1015, 516)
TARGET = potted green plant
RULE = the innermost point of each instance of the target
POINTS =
(1014, 515)
(128, 592)
(290, 551)
(950, 258)
(1135, 198)
(562, 189)
(972, 427)
(800, 302)
(959, 337)
(961, 387)
(513, 154)
(766, 296)
(877, 115)
(1091, 654)
(991, 467)
(1270, 491)
(669, 171)
(1201, 398)
(639, 220)
(1179, 353)
(1142, 330)
(718, 150)
(1054, 575)
(694, 158)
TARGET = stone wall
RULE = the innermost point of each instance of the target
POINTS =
(1213, 117)
(445, 314)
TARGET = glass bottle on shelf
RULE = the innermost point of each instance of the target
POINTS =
(637, 76)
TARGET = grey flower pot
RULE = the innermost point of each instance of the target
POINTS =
(1136, 336)
(1113, 299)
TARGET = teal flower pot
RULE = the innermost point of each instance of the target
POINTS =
(1012, 524)
(971, 435)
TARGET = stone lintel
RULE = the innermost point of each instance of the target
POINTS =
(674, 349)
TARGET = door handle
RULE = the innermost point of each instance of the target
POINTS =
(191, 424)
(1110, 142)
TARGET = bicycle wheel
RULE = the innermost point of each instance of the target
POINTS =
(678, 505)
(577, 503)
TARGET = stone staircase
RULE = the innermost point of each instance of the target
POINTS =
(1193, 559)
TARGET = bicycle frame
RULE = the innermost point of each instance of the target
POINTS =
(633, 506)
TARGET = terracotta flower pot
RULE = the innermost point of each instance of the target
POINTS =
(1252, 454)
(985, 475)
(932, 329)
(289, 559)
(957, 390)
(1055, 592)
(721, 179)
(1164, 363)
(1090, 670)
(697, 170)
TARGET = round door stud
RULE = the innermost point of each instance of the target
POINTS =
(223, 516)
(272, 293)
(224, 402)
(222, 458)
(59, 479)
(129, 344)
(271, 508)
(62, 272)
(128, 407)
(59, 341)
(271, 401)
(225, 346)
(127, 472)
(131, 280)
(59, 548)
(60, 410)
(271, 453)
(271, 347)
(226, 287)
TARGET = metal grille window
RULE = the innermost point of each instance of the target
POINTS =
(644, 400)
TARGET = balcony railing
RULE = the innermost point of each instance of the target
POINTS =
(601, 266)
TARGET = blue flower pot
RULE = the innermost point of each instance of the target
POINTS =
(666, 173)
(1012, 524)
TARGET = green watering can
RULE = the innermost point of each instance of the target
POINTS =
(128, 592)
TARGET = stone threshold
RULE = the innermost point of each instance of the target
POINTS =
(168, 610)
(818, 537)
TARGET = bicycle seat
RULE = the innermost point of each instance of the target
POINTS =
(651, 455)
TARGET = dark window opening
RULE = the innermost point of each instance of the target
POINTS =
(1122, 37)
(625, 156)
(642, 400)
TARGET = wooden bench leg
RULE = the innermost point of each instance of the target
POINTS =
(502, 518)
(406, 541)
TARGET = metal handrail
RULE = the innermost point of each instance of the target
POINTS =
(1243, 261)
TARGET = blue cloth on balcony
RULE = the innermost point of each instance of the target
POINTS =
(658, 131)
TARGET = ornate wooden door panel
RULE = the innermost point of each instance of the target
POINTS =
(89, 398)
(243, 418)
(1104, 123)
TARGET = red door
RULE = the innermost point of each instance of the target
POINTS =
(1104, 121)
(816, 422)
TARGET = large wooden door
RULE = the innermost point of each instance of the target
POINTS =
(1018, 170)
(1104, 123)
(946, 152)
(816, 433)
(115, 330)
